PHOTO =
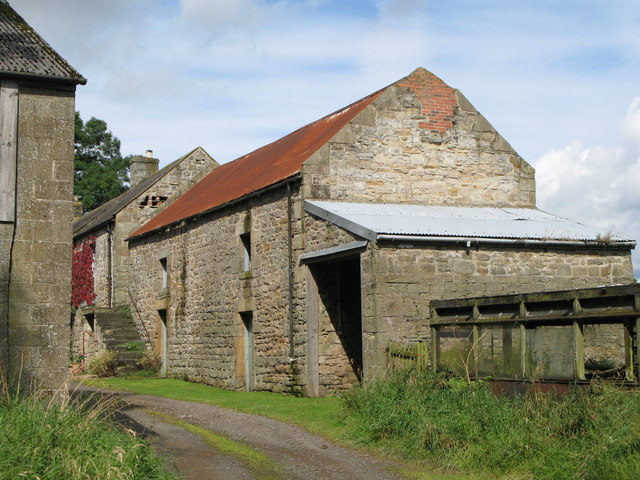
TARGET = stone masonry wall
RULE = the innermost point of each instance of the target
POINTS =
(6, 237)
(193, 167)
(207, 290)
(420, 142)
(399, 283)
(39, 292)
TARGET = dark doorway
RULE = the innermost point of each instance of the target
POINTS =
(340, 332)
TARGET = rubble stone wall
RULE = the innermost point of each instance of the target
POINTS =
(391, 153)
(208, 290)
(405, 280)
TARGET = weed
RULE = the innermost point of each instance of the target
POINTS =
(150, 360)
(135, 346)
(103, 364)
(465, 427)
(69, 440)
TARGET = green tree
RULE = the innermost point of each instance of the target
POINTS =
(100, 171)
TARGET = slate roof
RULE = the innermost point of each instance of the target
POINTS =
(259, 169)
(25, 53)
(96, 218)
(373, 220)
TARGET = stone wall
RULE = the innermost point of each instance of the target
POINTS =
(391, 153)
(208, 290)
(399, 283)
(6, 237)
(187, 172)
(40, 273)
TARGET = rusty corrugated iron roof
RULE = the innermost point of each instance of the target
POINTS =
(259, 169)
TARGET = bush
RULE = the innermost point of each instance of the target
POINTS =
(593, 434)
(103, 364)
(151, 361)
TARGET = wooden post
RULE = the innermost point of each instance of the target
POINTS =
(636, 334)
(523, 351)
(475, 354)
(628, 351)
(578, 351)
(422, 360)
(434, 349)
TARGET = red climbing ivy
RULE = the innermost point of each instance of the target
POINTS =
(82, 272)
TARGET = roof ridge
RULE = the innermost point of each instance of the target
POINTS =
(24, 37)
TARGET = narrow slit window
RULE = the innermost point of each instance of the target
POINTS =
(165, 278)
(245, 239)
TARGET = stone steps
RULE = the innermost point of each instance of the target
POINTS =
(118, 330)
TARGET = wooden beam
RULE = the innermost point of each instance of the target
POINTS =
(8, 148)
(434, 349)
(628, 351)
(523, 351)
(578, 351)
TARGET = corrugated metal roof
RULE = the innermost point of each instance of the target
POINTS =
(24, 52)
(101, 215)
(371, 220)
(257, 170)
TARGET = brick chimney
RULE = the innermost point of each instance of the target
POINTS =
(141, 167)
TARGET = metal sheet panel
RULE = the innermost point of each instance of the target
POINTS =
(424, 220)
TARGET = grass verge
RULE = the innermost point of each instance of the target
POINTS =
(453, 426)
(593, 434)
(69, 441)
(324, 416)
(259, 464)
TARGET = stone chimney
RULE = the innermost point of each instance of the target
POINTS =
(77, 208)
(141, 167)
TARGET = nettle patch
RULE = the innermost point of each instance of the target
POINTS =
(82, 288)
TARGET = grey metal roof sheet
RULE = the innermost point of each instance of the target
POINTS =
(442, 221)
(24, 52)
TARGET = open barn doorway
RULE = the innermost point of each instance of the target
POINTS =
(335, 329)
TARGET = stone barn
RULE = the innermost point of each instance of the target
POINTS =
(101, 268)
(37, 98)
(294, 267)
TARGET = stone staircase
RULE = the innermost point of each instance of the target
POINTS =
(118, 331)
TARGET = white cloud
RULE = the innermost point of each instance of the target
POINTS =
(597, 185)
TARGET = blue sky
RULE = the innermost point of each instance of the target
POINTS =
(560, 80)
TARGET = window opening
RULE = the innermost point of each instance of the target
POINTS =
(165, 278)
(245, 239)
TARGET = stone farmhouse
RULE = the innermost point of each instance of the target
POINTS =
(294, 267)
(37, 97)
(101, 267)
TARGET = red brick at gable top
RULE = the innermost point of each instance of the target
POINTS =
(437, 98)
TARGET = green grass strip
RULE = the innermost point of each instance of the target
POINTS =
(324, 416)
(257, 462)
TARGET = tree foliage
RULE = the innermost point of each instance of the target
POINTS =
(100, 171)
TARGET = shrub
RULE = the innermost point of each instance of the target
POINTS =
(151, 360)
(103, 364)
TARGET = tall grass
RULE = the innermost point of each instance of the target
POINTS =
(54, 440)
(591, 434)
